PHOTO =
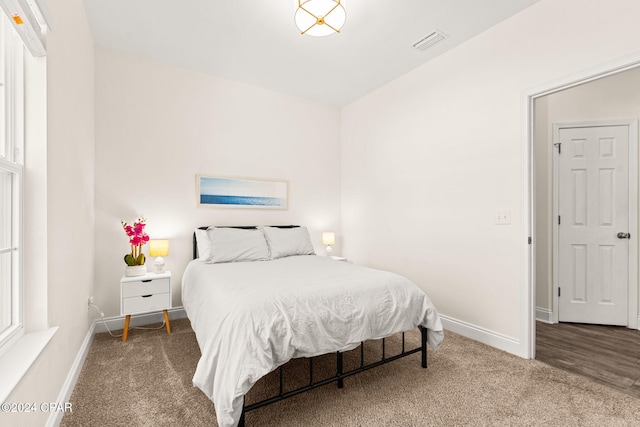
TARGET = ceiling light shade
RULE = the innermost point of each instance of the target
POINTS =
(320, 17)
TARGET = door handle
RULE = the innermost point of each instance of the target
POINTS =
(624, 236)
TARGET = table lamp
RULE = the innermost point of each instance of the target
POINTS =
(159, 249)
(328, 239)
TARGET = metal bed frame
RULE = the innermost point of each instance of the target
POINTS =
(340, 373)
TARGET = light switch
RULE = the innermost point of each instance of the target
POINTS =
(503, 217)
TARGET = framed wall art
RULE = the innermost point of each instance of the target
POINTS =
(219, 191)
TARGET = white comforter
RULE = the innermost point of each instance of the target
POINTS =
(251, 317)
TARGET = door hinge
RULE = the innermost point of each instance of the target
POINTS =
(529, 240)
(559, 293)
(559, 220)
(559, 145)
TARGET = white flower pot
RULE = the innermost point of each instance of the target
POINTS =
(135, 270)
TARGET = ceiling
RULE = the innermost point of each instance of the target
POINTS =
(256, 41)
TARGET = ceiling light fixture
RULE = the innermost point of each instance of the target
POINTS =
(320, 17)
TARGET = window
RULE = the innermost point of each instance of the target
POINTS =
(11, 159)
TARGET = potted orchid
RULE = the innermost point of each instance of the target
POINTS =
(137, 238)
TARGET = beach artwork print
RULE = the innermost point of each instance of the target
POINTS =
(242, 192)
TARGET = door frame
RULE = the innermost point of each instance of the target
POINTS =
(632, 295)
(527, 328)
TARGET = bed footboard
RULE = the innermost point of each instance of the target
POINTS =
(340, 374)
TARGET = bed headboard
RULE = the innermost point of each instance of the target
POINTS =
(246, 227)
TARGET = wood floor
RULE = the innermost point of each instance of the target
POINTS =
(609, 355)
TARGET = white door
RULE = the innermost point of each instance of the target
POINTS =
(593, 240)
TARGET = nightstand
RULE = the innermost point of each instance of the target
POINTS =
(337, 258)
(145, 294)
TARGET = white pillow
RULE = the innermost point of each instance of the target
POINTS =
(237, 244)
(204, 244)
(288, 241)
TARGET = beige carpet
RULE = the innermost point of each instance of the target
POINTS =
(147, 382)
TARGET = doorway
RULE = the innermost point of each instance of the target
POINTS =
(608, 96)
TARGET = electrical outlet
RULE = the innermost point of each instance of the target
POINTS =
(91, 304)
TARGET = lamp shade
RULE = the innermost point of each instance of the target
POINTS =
(320, 17)
(328, 238)
(158, 247)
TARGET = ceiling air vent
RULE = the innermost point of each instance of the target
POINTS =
(429, 40)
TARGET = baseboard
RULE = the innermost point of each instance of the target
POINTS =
(55, 417)
(482, 335)
(99, 326)
(117, 322)
(544, 315)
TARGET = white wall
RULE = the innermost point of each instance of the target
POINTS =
(612, 98)
(157, 126)
(64, 218)
(428, 159)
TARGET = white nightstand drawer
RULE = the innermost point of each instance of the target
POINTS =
(146, 303)
(145, 294)
(146, 287)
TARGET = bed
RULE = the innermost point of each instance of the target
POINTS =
(259, 296)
